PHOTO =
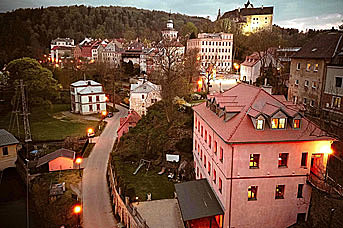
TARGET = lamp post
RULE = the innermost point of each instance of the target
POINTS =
(78, 161)
(236, 66)
(90, 133)
(77, 211)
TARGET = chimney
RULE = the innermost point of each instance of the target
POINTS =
(89, 82)
(265, 81)
(262, 7)
(239, 9)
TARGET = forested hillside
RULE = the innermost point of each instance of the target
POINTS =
(28, 32)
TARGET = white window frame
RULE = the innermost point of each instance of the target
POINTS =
(333, 101)
(308, 66)
(296, 82)
(316, 67)
(306, 83)
(298, 66)
(257, 124)
(314, 86)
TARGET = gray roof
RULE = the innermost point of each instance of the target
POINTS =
(85, 83)
(91, 90)
(7, 138)
(197, 200)
(56, 154)
(146, 87)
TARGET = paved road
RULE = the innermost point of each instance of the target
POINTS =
(97, 210)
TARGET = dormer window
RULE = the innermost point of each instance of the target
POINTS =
(296, 123)
(259, 125)
(278, 123)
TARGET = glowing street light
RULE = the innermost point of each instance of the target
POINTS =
(104, 113)
(79, 161)
(90, 132)
(236, 66)
(77, 211)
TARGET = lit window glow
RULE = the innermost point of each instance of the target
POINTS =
(259, 125)
(296, 124)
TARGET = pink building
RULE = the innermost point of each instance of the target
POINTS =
(62, 159)
(127, 122)
(257, 152)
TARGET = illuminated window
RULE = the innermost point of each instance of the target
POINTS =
(336, 102)
(280, 191)
(259, 125)
(316, 67)
(304, 159)
(314, 84)
(221, 155)
(214, 175)
(283, 159)
(296, 123)
(278, 123)
(220, 187)
(308, 67)
(252, 193)
(254, 161)
(300, 190)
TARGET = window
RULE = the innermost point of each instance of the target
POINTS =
(298, 66)
(296, 123)
(312, 103)
(221, 155)
(214, 175)
(202, 130)
(280, 191)
(254, 161)
(339, 82)
(209, 141)
(252, 193)
(205, 135)
(300, 190)
(5, 151)
(195, 142)
(201, 154)
(314, 84)
(204, 160)
(259, 125)
(316, 67)
(220, 185)
(90, 108)
(295, 99)
(308, 67)
(98, 107)
(209, 168)
(197, 171)
(304, 159)
(283, 159)
(90, 99)
(336, 102)
(215, 147)
(278, 123)
(305, 101)
(199, 126)
(306, 83)
(296, 82)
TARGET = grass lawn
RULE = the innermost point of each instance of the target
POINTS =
(88, 150)
(144, 182)
(45, 126)
(58, 212)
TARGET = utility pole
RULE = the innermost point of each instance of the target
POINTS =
(27, 130)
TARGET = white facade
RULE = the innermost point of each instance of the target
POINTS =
(87, 97)
(64, 42)
(214, 50)
(143, 95)
(169, 33)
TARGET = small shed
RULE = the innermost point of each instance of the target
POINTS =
(61, 159)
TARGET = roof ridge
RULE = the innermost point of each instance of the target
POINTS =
(240, 121)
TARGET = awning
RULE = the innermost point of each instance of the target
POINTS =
(197, 200)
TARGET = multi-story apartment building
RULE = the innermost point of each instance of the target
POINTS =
(87, 97)
(143, 95)
(64, 42)
(251, 19)
(110, 53)
(215, 50)
(61, 47)
(257, 151)
(309, 67)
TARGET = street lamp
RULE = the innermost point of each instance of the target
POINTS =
(79, 161)
(104, 113)
(77, 211)
(236, 66)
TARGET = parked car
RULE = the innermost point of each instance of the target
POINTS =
(109, 115)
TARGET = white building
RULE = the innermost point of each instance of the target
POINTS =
(62, 42)
(215, 50)
(110, 53)
(143, 95)
(251, 67)
(169, 32)
(87, 97)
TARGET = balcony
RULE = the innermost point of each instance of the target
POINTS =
(325, 184)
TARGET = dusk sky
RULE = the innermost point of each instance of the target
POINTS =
(301, 14)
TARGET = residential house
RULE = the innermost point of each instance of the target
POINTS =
(111, 53)
(251, 67)
(62, 42)
(143, 95)
(256, 151)
(215, 51)
(87, 97)
(309, 69)
(58, 53)
(126, 123)
(251, 19)
(136, 53)
(8, 149)
(61, 159)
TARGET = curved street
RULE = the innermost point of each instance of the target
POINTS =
(97, 209)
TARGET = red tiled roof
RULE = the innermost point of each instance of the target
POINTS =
(254, 100)
(133, 117)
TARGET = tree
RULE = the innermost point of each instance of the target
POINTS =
(41, 87)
